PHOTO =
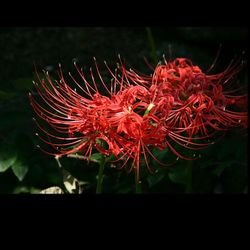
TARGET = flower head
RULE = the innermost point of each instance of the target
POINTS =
(198, 103)
(177, 104)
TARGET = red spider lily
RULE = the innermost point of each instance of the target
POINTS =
(119, 124)
(177, 104)
(199, 103)
(138, 128)
(78, 120)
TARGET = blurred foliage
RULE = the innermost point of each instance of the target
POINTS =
(221, 168)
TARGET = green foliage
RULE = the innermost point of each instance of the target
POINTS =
(155, 178)
(7, 158)
(179, 174)
(15, 158)
(19, 169)
(97, 157)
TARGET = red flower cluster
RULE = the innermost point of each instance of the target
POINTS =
(178, 103)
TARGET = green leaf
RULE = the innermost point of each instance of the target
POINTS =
(221, 167)
(7, 159)
(13, 156)
(155, 178)
(19, 169)
(23, 147)
(97, 157)
(235, 178)
(178, 174)
(160, 155)
(26, 189)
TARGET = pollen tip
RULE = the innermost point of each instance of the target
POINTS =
(94, 58)
(33, 119)
(60, 65)
(105, 62)
(36, 134)
(38, 146)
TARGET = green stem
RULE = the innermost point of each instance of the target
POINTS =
(189, 177)
(58, 162)
(138, 189)
(81, 157)
(100, 176)
(152, 45)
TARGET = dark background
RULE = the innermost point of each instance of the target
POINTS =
(222, 167)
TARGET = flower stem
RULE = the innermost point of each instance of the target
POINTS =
(188, 189)
(58, 162)
(100, 176)
(152, 45)
(138, 189)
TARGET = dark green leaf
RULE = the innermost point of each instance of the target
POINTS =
(160, 155)
(97, 157)
(155, 178)
(220, 168)
(178, 174)
(19, 169)
(25, 189)
(6, 161)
